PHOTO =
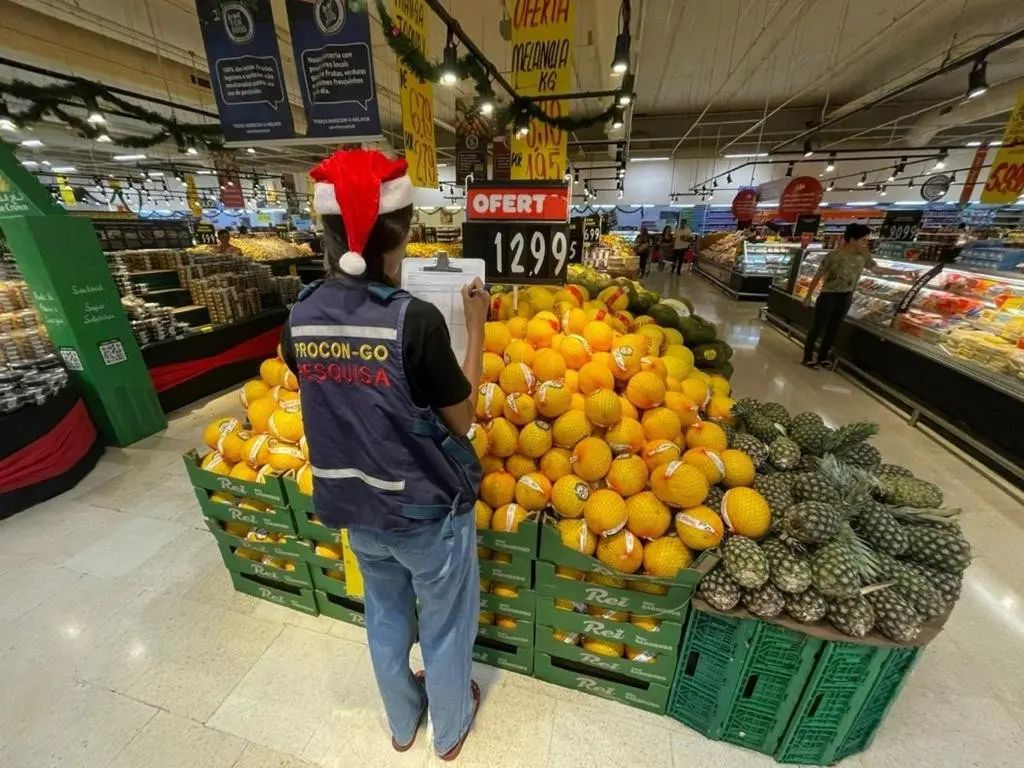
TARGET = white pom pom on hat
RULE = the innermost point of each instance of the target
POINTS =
(359, 185)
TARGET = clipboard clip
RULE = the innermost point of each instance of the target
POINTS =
(443, 265)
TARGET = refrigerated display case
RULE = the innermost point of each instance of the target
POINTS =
(751, 269)
(950, 346)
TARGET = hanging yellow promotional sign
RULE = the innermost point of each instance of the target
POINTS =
(192, 195)
(542, 64)
(67, 194)
(1005, 181)
(417, 99)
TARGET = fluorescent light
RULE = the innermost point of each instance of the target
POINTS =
(748, 154)
(681, 205)
(863, 203)
(104, 139)
(251, 150)
(995, 143)
(908, 202)
(63, 169)
(128, 158)
(95, 118)
(767, 205)
(32, 143)
(823, 205)
(7, 125)
(973, 144)
(648, 159)
(29, 163)
(205, 173)
(155, 174)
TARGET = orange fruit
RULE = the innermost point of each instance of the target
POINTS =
(571, 380)
(708, 462)
(707, 435)
(517, 327)
(603, 408)
(519, 408)
(654, 365)
(646, 390)
(497, 489)
(492, 367)
(647, 516)
(483, 514)
(738, 469)
(575, 351)
(517, 377)
(479, 439)
(626, 437)
(661, 424)
(504, 438)
(699, 527)
(625, 359)
(621, 551)
(518, 465)
(496, 337)
(605, 512)
(490, 401)
(570, 428)
(594, 376)
(658, 452)
(599, 335)
(569, 496)
(553, 399)
(508, 518)
(679, 485)
(627, 475)
(519, 351)
(540, 330)
(574, 320)
(591, 458)
(556, 464)
(548, 365)
(252, 391)
(746, 512)
(535, 439)
(533, 491)
(577, 536)
(218, 428)
(682, 406)
(665, 557)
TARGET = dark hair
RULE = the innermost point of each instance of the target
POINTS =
(389, 232)
(223, 231)
(856, 232)
(666, 231)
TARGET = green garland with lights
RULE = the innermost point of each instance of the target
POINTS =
(54, 100)
(468, 67)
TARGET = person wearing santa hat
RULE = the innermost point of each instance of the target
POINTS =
(386, 408)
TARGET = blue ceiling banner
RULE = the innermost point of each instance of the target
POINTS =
(245, 69)
(331, 42)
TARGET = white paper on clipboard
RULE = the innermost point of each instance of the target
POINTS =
(444, 291)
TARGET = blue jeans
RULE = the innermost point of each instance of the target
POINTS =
(439, 566)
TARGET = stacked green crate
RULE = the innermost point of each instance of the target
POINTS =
(509, 600)
(326, 560)
(257, 536)
(642, 617)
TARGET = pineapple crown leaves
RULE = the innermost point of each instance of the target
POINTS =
(869, 563)
(853, 483)
(943, 516)
(845, 437)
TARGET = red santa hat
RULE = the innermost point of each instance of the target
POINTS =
(359, 185)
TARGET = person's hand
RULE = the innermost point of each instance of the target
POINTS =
(475, 303)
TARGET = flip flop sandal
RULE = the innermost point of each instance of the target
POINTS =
(453, 753)
(421, 676)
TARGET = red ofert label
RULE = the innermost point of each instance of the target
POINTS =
(801, 195)
(517, 204)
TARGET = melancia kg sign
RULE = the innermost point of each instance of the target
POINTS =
(245, 67)
(520, 229)
(332, 53)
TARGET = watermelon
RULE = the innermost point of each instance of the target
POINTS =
(665, 316)
(696, 330)
(712, 354)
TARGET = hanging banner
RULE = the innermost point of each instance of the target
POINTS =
(245, 69)
(1005, 181)
(972, 175)
(801, 195)
(229, 180)
(331, 43)
(471, 133)
(541, 64)
(67, 194)
(192, 195)
(417, 98)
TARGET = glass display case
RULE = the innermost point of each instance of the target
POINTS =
(746, 270)
(969, 317)
(770, 259)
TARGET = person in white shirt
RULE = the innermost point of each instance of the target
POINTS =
(683, 236)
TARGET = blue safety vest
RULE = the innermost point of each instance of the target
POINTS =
(379, 461)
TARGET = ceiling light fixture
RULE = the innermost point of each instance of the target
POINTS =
(746, 154)
(941, 162)
(128, 158)
(450, 61)
(831, 164)
(808, 149)
(626, 89)
(251, 150)
(522, 123)
(995, 143)
(32, 143)
(191, 149)
(485, 101)
(649, 159)
(973, 144)
(831, 186)
(977, 82)
(789, 170)
(863, 180)
(728, 178)
(576, 176)
(6, 124)
(618, 118)
(620, 60)
(882, 191)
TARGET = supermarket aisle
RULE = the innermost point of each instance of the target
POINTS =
(124, 644)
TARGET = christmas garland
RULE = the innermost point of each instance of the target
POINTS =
(468, 67)
(55, 99)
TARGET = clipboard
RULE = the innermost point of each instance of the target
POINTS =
(439, 280)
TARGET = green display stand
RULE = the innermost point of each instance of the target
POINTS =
(71, 287)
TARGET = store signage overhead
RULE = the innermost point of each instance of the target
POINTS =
(472, 132)
(744, 205)
(520, 230)
(973, 173)
(417, 98)
(901, 225)
(542, 42)
(334, 59)
(801, 195)
(935, 187)
(245, 66)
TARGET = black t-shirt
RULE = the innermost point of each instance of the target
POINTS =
(435, 377)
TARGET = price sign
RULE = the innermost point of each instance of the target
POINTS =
(591, 229)
(281, 230)
(430, 234)
(520, 253)
(901, 225)
(1006, 178)
(206, 234)
(576, 240)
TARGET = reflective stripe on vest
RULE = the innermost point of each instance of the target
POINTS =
(396, 486)
(356, 331)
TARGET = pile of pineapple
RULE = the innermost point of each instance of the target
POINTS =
(863, 544)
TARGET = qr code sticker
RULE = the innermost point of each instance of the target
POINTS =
(112, 352)
(71, 358)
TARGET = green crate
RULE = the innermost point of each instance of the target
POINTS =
(290, 548)
(269, 492)
(518, 572)
(297, 598)
(326, 583)
(671, 605)
(495, 653)
(524, 541)
(341, 608)
(277, 519)
(520, 636)
(660, 670)
(739, 680)
(846, 699)
(300, 577)
(664, 641)
(523, 606)
(650, 697)
(297, 500)
(321, 560)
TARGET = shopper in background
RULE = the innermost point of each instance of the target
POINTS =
(387, 408)
(838, 273)
(683, 236)
(642, 247)
(665, 244)
(224, 246)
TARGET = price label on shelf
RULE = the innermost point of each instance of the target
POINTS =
(591, 229)
(576, 240)
(521, 252)
(206, 234)
(901, 225)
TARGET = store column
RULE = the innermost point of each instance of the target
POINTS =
(67, 274)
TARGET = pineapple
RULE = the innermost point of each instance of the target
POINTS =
(918, 591)
(862, 455)
(808, 430)
(814, 486)
(942, 548)
(714, 498)
(789, 572)
(853, 616)
(948, 584)
(811, 522)
(750, 445)
(776, 412)
(892, 470)
(807, 607)
(808, 463)
(895, 618)
(762, 427)
(841, 566)
(910, 492)
(745, 562)
(765, 602)
(783, 453)
(775, 489)
(880, 529)
(719, 590)
(847, 437)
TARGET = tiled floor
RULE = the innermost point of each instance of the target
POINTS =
(124, 645)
